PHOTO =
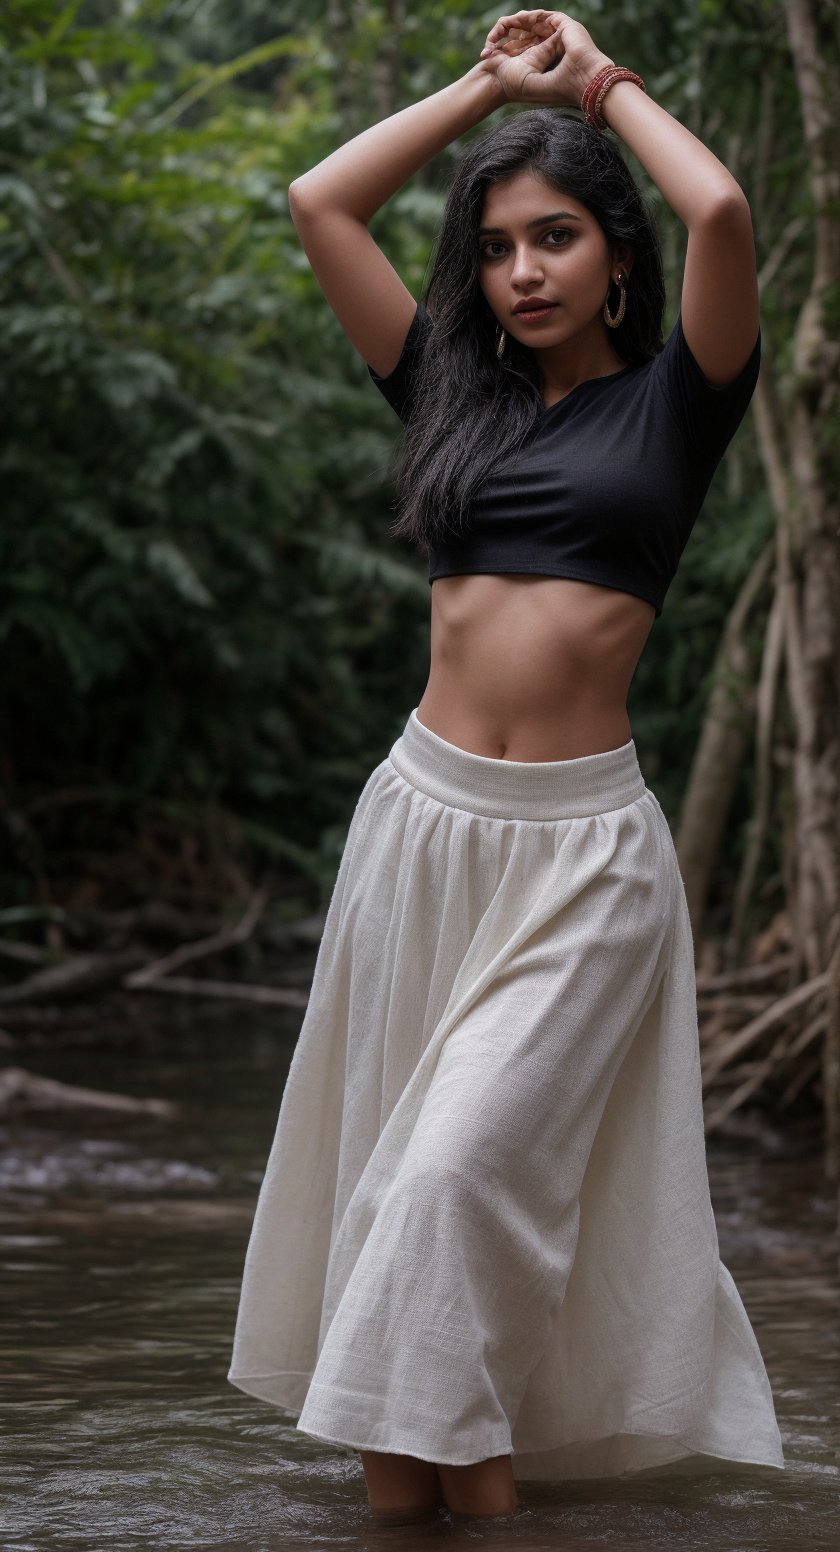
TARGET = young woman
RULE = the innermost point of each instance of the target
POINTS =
(485, 1238)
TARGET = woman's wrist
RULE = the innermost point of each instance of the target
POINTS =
(590, 67)
(487, 86)
(490, 88)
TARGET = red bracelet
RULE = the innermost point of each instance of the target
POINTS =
(591, 91)
(597, 89)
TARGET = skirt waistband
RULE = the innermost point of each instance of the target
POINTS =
(516, 789)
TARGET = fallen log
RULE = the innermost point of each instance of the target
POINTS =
(22, 1090)
(233, 991)
(74, 977)
(189, 952)
(24, 953)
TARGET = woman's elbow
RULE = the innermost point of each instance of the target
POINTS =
(296, 193)
(729, 203)
(722, 206)
(302, 198)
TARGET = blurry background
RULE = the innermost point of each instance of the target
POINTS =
(209, 639)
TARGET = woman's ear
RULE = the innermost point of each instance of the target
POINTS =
(622, 255)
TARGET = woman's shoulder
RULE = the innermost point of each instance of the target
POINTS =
(707, 413)
(399, 385)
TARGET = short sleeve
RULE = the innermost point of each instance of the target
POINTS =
(400, 385)
(708, 416)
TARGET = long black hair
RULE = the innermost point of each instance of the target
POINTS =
(472, 410)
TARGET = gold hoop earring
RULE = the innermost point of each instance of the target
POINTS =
(500, 347)
(611, 321)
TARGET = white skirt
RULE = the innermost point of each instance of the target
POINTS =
(485, 1225)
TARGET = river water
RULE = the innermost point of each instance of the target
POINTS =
(122, 1241)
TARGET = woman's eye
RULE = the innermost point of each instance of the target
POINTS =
(556, 231)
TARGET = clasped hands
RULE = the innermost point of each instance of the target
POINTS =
(542, 57)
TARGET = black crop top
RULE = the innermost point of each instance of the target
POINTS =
(608, 485)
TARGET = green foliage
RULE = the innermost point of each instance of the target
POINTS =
(194, 605)
(202, 616)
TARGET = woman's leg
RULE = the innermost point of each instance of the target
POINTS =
(484, 1488)
(401, 1484)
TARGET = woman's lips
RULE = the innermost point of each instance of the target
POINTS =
(536, 315)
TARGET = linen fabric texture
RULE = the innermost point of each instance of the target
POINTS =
(610, 481)
(485, 1225)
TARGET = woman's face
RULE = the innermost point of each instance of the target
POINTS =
(537, 242)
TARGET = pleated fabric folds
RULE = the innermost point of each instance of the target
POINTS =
(485, 1225)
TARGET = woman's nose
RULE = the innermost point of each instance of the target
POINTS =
(526, 267)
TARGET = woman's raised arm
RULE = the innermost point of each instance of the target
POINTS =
(719, 303)
(331, 205)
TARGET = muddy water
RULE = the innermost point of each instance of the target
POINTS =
(121, 1244)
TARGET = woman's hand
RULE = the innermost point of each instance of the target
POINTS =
(542, 57)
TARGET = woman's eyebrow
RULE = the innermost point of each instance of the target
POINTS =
(559, 215)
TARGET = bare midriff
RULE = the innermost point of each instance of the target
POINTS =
(530, 667)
